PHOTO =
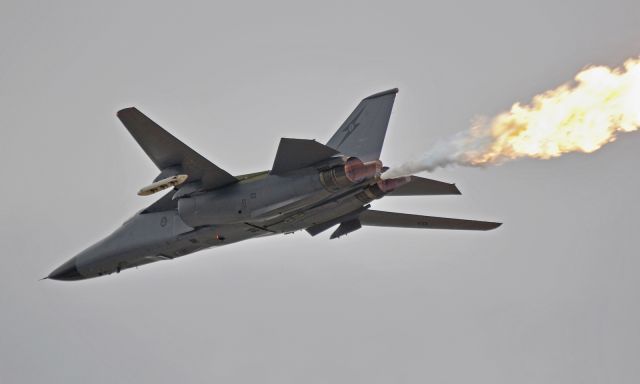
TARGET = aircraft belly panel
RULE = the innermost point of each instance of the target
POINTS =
(115, 254)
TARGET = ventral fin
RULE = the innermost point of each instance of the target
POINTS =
(346, 227)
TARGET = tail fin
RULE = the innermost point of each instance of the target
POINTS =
(362, 134)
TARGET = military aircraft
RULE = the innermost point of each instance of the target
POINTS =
(311, 186)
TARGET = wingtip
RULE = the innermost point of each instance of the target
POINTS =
(383, 93)
(125, 110)
(494, 226)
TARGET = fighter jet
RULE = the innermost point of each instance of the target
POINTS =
(311, 186)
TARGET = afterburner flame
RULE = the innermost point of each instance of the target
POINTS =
(581, 116)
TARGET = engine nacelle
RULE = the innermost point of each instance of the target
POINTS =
(205, 210)
(352, 172)
(269, 197)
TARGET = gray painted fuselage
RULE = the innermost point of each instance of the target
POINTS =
(310, 186)
(258, 206)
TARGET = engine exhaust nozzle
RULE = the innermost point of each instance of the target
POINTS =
(353, 171)
(381, 188)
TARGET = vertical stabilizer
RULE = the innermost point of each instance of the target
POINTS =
(362, 134)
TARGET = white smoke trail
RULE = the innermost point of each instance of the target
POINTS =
(577, 117)
(460, 149)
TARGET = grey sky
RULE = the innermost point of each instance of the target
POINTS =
(550, 297)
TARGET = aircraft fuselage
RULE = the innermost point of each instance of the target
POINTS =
(310, 186)
(261, 205)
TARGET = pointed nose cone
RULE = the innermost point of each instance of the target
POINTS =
(66, 272)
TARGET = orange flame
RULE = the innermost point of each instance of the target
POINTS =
(577, 117)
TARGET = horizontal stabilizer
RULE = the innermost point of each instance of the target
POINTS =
(166, 151)
(403, 220)
(419, 186)
(299, 153)
(362, 134)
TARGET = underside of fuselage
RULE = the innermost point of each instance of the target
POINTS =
(156, 236)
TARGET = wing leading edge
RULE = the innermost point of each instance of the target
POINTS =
(167, 152)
